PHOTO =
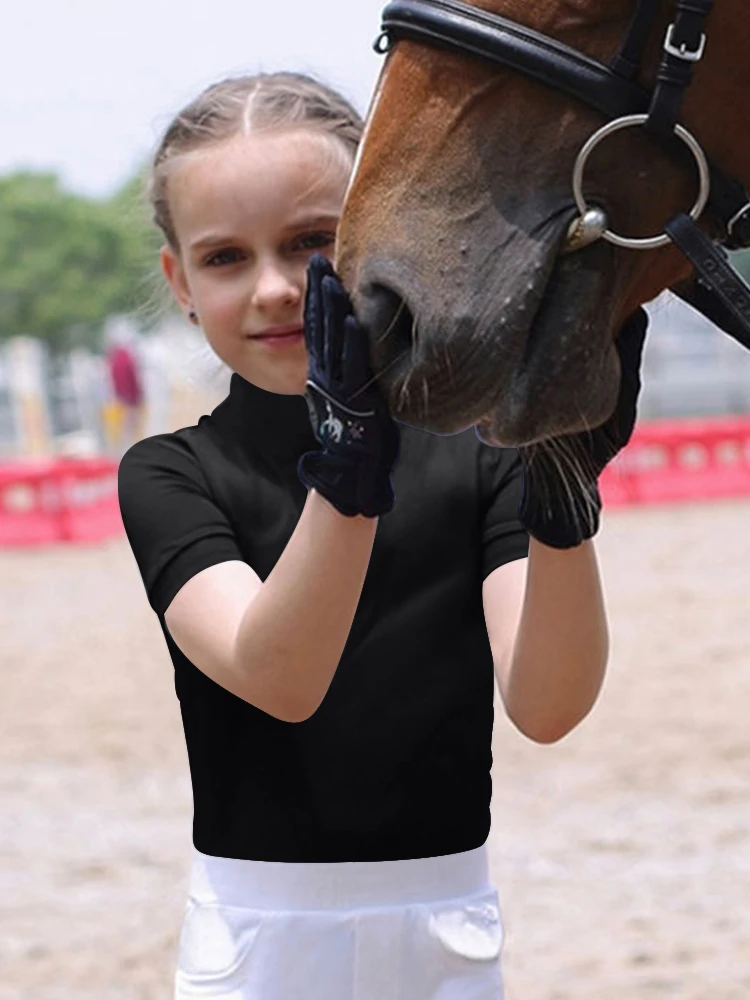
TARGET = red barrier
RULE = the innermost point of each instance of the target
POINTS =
(29, 503)
(58, 500)
(75, 499)
(90, 509)
(669, 461)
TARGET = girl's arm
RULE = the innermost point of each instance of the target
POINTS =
(277, 644)
(548, 632)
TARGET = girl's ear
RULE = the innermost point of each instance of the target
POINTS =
(175, 275)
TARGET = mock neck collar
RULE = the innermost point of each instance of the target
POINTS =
(267, 421)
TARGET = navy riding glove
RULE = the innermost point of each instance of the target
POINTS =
(349, 416)
(560, 504)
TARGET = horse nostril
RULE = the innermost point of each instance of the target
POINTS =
(390, 322)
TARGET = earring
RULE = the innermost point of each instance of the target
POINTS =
(193, 316)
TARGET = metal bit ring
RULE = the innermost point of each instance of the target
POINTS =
(652, 242)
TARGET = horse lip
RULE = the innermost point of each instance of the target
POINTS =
(533, 406)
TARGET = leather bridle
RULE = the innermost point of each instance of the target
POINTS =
(718, 291)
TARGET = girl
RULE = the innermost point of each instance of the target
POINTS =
(334, 615)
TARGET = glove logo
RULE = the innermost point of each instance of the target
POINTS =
(332, 426)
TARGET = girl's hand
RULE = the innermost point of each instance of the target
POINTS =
(560, 505)
(349, 415)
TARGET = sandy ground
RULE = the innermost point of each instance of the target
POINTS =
(622, 854)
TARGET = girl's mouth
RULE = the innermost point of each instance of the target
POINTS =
(280, 336)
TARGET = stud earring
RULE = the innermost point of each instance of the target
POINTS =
(193, 316)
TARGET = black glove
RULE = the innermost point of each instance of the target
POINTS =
(560, 504)
(349, 415)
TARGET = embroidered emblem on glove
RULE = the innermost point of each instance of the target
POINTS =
(331, 427)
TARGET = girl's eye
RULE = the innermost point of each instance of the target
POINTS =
(315, 241)
(223, 257)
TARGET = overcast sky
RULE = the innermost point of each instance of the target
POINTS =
(86, 86)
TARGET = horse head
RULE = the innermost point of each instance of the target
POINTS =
(455, 223)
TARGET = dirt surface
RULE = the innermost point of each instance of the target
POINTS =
(622, 854)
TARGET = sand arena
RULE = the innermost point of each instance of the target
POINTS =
(622, 854)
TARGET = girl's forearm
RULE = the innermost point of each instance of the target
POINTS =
(294, 631)
(562, 644)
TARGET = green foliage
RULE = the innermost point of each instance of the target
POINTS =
(67, 262)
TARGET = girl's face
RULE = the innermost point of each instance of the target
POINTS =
(248, 214)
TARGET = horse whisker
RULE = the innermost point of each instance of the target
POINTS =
(379, 374)
(426, 396)
(572, 472)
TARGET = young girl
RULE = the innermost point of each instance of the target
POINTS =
(335, 591)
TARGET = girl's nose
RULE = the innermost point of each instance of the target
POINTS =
(275, 289)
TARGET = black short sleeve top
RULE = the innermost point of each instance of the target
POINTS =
(395, 763)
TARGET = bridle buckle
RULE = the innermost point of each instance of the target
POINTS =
(682, 52)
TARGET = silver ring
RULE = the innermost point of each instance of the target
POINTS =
(651, 242)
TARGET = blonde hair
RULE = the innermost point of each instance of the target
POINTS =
(238, 106)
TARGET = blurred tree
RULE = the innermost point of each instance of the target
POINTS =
(67, 261)
(141, 242)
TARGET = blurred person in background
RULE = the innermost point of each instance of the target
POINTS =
(338, 593)
(124, 412)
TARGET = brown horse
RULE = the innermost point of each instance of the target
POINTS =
(452, 233)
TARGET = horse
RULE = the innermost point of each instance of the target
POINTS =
(456, 242)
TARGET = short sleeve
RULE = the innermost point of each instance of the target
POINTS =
(174, 526)
(504, 538)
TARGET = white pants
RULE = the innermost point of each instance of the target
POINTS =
(423, 929)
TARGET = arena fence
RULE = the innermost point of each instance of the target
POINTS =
(58, 500)
(670, 461)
